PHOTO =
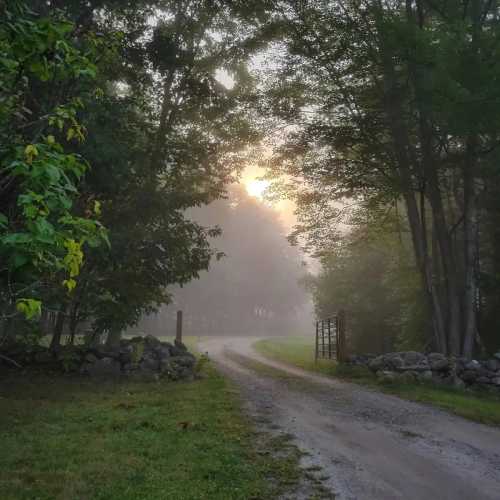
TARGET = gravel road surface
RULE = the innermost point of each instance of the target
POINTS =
(369, 445)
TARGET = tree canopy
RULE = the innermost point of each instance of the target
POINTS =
(389, 103)
(113, 124)
(115, 121)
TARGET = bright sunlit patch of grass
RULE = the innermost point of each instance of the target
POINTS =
(299, 351)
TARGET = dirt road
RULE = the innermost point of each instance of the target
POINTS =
(370, 445)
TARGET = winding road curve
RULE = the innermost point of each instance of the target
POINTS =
(370, 445)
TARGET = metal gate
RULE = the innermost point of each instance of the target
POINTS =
(330, 337)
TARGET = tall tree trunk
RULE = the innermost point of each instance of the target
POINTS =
(470, 250)
(114, 337)
(424, 264)
(56, 337)
(44, 322)
(406, 163)
(471, 232)
(449, 268)
(158, 148)
(429, 169)
(73, 322)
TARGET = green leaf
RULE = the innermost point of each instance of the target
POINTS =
(70, 284)
(53, 173)
(31, 211)
(31, 308)
(19, 260)
(45, 231)
(17, 239)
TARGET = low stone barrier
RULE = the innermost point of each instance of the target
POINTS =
(139, 358)
(414, 366)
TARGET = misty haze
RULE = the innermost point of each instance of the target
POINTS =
(254, 289)
(249, 250)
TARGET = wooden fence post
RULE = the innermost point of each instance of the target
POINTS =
(178, 333)
(341, 354)
(329, 326)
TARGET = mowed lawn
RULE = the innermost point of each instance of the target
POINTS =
(72, 438)
(299, 351)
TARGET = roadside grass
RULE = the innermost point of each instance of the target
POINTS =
(73, 438)
(478, 406)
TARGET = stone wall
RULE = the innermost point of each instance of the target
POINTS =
(140, 358)
(434, 367)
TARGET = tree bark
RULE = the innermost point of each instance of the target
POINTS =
(73, 322)
(406, 163)
(471, 223)
(470, 251)
(114, 337)
(56, 337)
(430, 172)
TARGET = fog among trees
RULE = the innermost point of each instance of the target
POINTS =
(254, 288)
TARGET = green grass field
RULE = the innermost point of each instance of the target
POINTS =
(70, 439)
(299, 351)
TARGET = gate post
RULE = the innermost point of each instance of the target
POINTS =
(341, 354)
(329, 327)
(317, 342)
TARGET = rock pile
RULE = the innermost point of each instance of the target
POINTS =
(434, 367)
(139, 358)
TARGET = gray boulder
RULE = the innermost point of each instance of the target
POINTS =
(425, 376)
(178, 349)
(408, 377)
(438, 362)
(105, 367)
(416, 368)
(163, 352)
(44, 357)
(395, 362)
(149, 362)
(469, 376)
(152, 342)
(90, 358)
(483, 380)
(473, 365)
(376, 364)
(186, 361)
(440, 378)
(458, 365)
(412, 357)
(493, 365)
(126, 352)
(386, 376)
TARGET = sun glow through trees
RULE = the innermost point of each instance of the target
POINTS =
(256, 187)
